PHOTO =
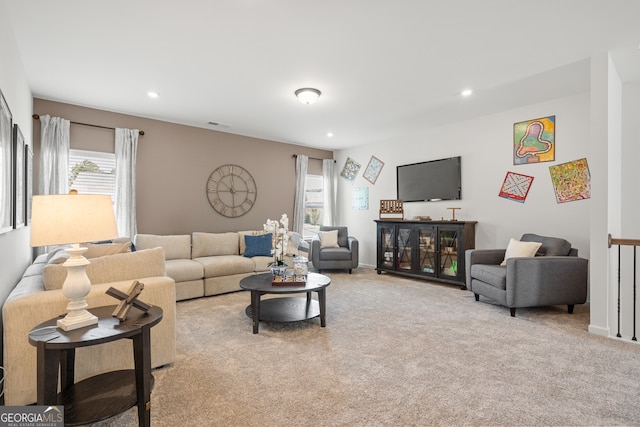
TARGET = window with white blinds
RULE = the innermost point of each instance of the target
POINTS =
(92, 172)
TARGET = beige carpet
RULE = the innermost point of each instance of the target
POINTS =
(395, 352)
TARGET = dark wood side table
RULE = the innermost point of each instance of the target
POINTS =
(104, 395)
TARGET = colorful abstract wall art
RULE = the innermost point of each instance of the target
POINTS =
(571, 181)
(350, 169)
(534, 141)
(516, 187)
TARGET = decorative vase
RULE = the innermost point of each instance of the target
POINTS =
(300, 267)
(278, 270)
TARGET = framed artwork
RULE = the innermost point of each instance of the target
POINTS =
(516, 187)
(373, 169)
(6, 167)
(360, 198)
(571, 181)
(534, 141)
(28, 170)
(350, 169)
(19, 178)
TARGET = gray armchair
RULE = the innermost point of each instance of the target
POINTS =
(343, 257)
(556, 275)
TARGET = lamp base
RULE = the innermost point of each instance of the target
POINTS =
(77, 320)
(76, 287)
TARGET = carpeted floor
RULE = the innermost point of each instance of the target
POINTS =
(395, 352)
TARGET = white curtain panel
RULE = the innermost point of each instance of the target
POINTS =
(302, 163)
(125, 194)
(329, 184)
(54, 155)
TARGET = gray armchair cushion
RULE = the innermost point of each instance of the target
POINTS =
(551, 246)
(335, 254)
(495, 275)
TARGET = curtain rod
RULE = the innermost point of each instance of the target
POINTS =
(314, 158)
(36, 116)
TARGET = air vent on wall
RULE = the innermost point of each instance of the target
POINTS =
(219, 125)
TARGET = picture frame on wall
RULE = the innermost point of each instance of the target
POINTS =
(19, 178)
(28, 170)
(6, 166)
(534, 141)
(373, 169)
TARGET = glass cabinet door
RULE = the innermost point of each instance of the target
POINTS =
(405, 246)
(427, 252)
(448, 241)
(386, 250)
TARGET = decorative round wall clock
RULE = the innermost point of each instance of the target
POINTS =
(231, 190)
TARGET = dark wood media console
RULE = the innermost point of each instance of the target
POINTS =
(431, 250)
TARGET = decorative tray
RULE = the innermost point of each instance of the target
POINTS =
(288, 280)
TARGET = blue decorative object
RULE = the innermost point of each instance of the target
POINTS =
(258, 245)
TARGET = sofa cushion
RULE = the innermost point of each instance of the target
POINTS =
(34, 270)
(112, 268)
(258, 245)
(517, 249)
(175, 246)
(495, 275)
(183, 270)
(225, 265)
(95, 250)
(54, 250)
(213, 244)
(551, 246)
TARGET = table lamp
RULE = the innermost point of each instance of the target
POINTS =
(73, 219)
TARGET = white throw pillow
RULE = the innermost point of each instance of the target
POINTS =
(329, 239)
(518, 249)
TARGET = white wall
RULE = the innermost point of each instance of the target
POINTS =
(485, 145)
(630, 156)
(15, 252)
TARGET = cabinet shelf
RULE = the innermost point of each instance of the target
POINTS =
(431, 250)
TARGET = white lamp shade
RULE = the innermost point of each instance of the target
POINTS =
(308, 95)
(67, 219)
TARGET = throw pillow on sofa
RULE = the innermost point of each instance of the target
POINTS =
(258, 245)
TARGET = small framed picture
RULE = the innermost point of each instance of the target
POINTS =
(350, 169)
(373, 169)
(18, 178)
(6, 167)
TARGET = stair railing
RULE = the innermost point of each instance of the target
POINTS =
(626, 242)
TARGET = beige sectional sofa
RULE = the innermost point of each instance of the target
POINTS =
(204, 264)
(30, 303)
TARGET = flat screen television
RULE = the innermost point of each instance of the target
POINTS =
(429, 181)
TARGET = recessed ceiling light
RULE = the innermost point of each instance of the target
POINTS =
(153, 94)
(330, 134)
(466, 92)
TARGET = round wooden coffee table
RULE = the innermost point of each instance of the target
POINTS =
(286, 309)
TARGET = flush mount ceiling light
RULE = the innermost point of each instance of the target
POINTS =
(308, 95)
